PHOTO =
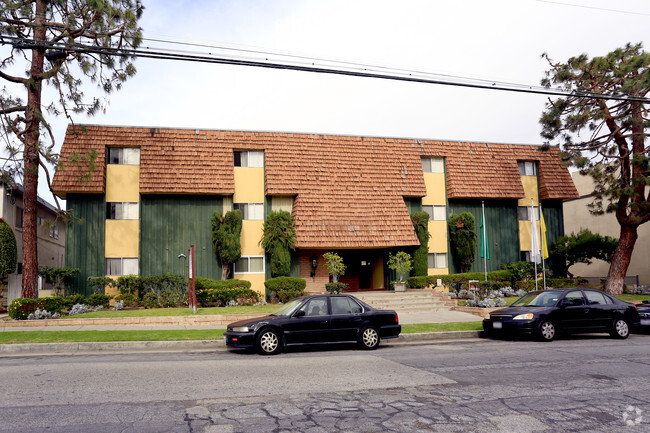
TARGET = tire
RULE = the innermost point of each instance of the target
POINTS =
(620, 329)
(369, 338)
(268, 342)
(547, 331)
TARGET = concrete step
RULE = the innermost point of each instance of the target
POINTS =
(409, 301)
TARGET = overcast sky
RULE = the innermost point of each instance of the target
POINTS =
(499, 40)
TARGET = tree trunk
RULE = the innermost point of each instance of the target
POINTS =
(621, 260)
(33, 117)
(225, 270)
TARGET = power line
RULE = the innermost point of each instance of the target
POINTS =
(405, 77)
(594, 7)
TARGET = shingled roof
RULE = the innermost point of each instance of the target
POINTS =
(349, 191)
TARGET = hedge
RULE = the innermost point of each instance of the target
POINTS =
(207, 283)
(221, 297)
(284, 288)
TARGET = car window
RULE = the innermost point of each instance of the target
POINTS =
(575, 298)
(315, 307)
(344, 305)
(538, 299)
(595, 298)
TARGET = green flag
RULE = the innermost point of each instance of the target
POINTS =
(485, 249)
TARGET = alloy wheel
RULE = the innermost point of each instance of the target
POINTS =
(370, 338)
(621, 329)
(547, 331)
(269, 342)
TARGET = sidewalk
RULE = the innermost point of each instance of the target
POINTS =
(191, 322)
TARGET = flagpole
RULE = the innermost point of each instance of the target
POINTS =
(484, 239)
(542, 242)
(532, 238)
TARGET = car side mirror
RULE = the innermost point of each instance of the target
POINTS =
(299, 313)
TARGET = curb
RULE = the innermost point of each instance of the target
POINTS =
(193, 345)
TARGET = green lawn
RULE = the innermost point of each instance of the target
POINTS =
(160, 312)
(11, 337)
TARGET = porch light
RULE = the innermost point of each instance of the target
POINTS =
(314, 264)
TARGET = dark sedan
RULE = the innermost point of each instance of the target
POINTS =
(544, 314)
(644, 315)
(316, 319)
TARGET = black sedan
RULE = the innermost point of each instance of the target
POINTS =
(316, 319)
(544, 314)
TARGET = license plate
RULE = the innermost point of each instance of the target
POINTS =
(645, 322)
(497, 325)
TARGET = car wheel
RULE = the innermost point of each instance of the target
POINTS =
(620, 329)
(268, 342)
(369, 338)
(547, 331)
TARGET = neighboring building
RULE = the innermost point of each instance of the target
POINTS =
(51, 239)
(578, 217)
(152, 193)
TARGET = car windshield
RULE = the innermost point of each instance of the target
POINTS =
(288, 308)
(543, 299)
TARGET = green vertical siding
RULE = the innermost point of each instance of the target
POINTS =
(502, 232)
(554, 219)
(84, 238)
(169, 225)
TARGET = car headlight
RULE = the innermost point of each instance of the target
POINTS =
(527, 316)
(240, 329)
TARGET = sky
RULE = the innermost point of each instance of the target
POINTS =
(498, 40)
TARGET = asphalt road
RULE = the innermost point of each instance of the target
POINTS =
(594, 384)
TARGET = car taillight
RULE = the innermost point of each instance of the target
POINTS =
(396, 318)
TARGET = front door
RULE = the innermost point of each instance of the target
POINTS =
(573, 313)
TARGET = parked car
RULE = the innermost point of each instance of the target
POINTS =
(546, 313)
(315, 319)
(644, 315)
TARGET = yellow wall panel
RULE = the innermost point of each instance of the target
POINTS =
(438, 240)
(122, 183)
(436, 192)
(122, 238)
(525, 239)
(257, 282)
(249, 185)
(378, 274)
(438, 271)
(251, 233)
(530, 190)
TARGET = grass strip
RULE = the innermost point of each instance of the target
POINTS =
(20, 337)
(184, 311)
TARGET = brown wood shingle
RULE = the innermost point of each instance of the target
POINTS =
(349, 191)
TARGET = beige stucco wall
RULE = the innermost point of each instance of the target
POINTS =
(436, 195)
(577, 217)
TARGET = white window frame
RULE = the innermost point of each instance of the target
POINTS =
(54, 231)
(433, 165)
(131, 261)
(123, 210)
(436, 260)
(436, 212)
(250, 211)
(248, 265)
(125, 155)
(249, 158)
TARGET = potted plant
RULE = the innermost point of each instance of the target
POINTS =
(400, 263)
(336, 268)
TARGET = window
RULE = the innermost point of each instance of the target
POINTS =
(315, 307)
(527, 168)
(344, 305)
(122, 211)
(524, 256)
(575, 298)
(19, 217)
(250, 265)
(249, 158)
(523, 212)
(54, 231)
(250, 211)
(436, 213)
(433, 165)
(122, 266)
(595, 298)
(437, 260)
(123, 155)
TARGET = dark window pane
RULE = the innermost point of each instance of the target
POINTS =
(237, 158)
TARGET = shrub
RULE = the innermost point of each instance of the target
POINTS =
(164, 291)
(207, 283)
(97, 299)
(8, 249)
(98, 284)
(128, 300)
(21, 308)
(75, 299)
(421, 255)
(222, 297)
(335, 265)
(58, 277)
(284, 288)
(129, 284)
(400, 263)
(278, 238)
(336, 287)
(462, 239)
(53, 304)
(78, 309)
(463, 278)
